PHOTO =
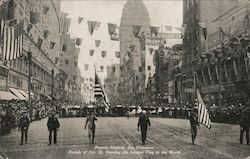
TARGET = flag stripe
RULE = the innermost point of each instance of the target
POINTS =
(203, 115)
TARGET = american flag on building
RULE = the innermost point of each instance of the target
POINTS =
(12, 39)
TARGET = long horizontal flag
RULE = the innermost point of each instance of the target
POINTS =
(203, 116)
(13, 41)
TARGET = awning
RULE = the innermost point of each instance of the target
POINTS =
(7, 96)
(24, 93)
(17, 94)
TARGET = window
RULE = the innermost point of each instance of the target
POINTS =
(64, 48)
(66, 62)
(140, 69)
(149, 67)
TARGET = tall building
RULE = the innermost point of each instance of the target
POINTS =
(41, 28)
(197, 20)
(132, 48)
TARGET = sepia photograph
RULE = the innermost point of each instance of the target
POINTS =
(124, 79)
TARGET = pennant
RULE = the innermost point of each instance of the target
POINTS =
(117, 54)
(56, 60)
(45, 9)
(80, 19)
(34, 17)
(97, 25)
(45, 34)
(115, 35)
(91, 26)
(86, 66)
(97, 43)
(78, 41)
(136, 30)
(66, 25)
(169, 28)
(40, 42)
(29, 27)
(154, 30)
(91, 52)
(104, 53)
(52, 45)
(111, 28)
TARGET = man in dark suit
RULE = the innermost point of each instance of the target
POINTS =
(24, 123)
(91, 126)
(244, 126)
(143, 122)
(53, 125)
(193, 118)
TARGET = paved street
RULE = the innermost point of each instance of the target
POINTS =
(116, 138)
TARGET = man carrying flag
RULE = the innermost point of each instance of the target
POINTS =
(198, 115)
(193, 118)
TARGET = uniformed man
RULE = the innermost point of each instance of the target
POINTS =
(244, 127)
(143, 122)
(90, 121)
(193, 118)
(24, 123)
(53, 126)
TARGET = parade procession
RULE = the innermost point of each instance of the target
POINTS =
(124, 79)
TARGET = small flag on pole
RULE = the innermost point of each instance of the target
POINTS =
(203, 116)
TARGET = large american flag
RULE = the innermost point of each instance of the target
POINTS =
(203, 116)
(99, 90)
(12, 34)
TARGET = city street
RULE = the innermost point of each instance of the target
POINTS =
(119, 138)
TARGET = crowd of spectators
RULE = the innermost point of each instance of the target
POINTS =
(11, 110)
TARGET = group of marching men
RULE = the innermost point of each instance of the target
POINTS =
(194, 117)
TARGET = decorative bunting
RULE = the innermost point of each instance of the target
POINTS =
(154, 30)
(104, 53)
(80, 19)
(91, 52)
(97, 26)
(115, 35)
(97, 43)
(39, 42)
(92, 26)
(101, 67)
(78, 41)
(136, 30)
(34, 17)
(142, 41)
(29, 27)
(45, 34)
(169, 28)
(52, 45)
(111, 28)
(117, 54)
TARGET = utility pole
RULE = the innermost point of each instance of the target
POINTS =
(52, 84)
(30, 74)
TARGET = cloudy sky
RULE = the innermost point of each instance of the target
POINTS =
(162, 12)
